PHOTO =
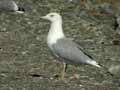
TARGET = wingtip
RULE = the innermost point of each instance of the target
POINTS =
(97, 65)
(94, 63)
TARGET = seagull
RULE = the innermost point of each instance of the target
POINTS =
(11, 6)
(64, 48)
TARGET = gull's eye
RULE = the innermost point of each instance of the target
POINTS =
(51, 15)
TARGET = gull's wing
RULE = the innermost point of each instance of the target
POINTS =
(8, 5)
(70, 52)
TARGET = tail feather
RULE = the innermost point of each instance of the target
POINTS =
(94, 63)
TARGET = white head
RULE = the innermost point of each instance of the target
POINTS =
(52, 17)
(56, 31)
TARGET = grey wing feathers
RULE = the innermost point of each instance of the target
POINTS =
(70, 51)
(7, 5)
(85, 52)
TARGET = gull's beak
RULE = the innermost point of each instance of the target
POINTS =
(43, 17)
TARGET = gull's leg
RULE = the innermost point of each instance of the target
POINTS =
(63, 71)
(75, 75)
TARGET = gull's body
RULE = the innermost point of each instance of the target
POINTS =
(10, 5)
(68, 51)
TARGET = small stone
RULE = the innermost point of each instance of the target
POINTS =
(80, 85)
(115, 70)
(83, 89)
(24, 52)
(38, 38)
(10, 88)
(3, 75)
(75, 76)
(1, 49)
(51, 78)
(3, 29)
(29, 23)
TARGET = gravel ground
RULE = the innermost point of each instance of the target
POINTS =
(27, 64)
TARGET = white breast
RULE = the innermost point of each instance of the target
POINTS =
(53, 37)
(55, 33)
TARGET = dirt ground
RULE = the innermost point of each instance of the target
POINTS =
(27, 64)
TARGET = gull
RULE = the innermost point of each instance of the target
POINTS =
(11, 6)
(64, 48)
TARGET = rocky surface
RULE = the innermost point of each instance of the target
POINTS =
(27, 64)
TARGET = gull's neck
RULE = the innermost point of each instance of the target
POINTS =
(55, 32)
